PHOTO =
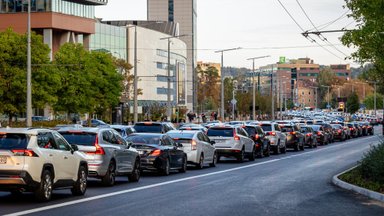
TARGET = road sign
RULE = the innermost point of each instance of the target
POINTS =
(328, 106)
(233, 101)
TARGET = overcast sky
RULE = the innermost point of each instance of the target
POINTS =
(260, 27)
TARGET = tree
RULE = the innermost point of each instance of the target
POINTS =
(353, 103)
(13, 82)
(228, 88)
(209, 95)
(370, 101)
(368, 38)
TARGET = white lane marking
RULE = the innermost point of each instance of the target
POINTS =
(170, 182)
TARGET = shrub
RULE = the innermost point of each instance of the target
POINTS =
(372, 164)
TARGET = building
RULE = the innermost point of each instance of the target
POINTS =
(342, 70)
(205, 65)
(184, 13)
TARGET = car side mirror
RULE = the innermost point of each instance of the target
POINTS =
(213, 142)
(74, 148)
(129, 145)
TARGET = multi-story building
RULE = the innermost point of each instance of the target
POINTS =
(342, 70)
(184, 13)
(205, 65)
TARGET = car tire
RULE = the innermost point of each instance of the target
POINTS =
(252, 156)
(167, 168)
(276, 150)
(284, 150)
(214, 160)
(134, 176)
(44, 191)
(296, 147)
(241, 156)
(110, 177)
(302, 146)
(200, 165)
(183, 168)
(268, 151)
(80, 186)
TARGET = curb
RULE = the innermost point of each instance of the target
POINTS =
(371, 194)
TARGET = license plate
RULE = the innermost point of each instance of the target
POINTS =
(3, 160)
(141, 152)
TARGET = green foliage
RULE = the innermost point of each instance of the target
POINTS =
(13, 82)
(228, 88)
(355, 177)
(353, 103)
(372, 165)
(369, 101)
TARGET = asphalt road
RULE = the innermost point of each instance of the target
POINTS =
(296, 183)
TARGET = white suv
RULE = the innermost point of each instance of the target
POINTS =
(277, 138)
(232, 141)
(39, 160)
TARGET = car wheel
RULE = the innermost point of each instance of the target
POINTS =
(184, 165)
(81, 184)
(268, 151)
(44, 191)
(241, 156)
(200, 165)
(302, 146)
(214, 160)
(134, 176)
(277, 148)
(167, 168)
(110, 176)
(296, 147)
(284, 150)
(252, 156)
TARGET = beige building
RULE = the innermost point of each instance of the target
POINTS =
(184, 13)
(205, 65)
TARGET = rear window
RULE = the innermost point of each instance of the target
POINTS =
(304, 129)
(250, 130)
(13, 141)
(148, 128)
(144, 139)
(223, 132)
(80, 138)
(266, 127)
(287, 129)
(181, 135)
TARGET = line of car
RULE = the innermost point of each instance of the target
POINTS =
(40, 160)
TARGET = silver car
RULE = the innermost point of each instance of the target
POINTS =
(232, 141)
(277, 138)
(107, 153)
(197, 145)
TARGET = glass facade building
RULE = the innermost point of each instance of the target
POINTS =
(112, 39)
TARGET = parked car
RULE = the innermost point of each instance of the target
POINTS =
(338, 132)
(327, 128)
(277, 138)
(232, 141)
(197, 145)
(322, 136)
(193, 127)
(40, 160)
(159, 152)
(369, 128)
(94, 123)
(310, 137)
(353, 130)
(295, 139)
(153, 127)
(107, 153)
(124, 130)
(39, 118)
(262, 144)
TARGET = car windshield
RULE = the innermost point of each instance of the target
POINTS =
(144, 139)
(304, 129)
(223, 132)
(266, 127)
(148, 128)
(9, 141)
(181, 135)
(80, 138)
(316, 127)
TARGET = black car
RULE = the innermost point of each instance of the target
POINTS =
(338, 132)
(322, 136)
(153, 127)
(295, 139)
(263, 146)
(354, 131)
(369, 128)
(159, 152)
(310, 137)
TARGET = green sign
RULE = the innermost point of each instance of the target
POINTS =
(282, 59)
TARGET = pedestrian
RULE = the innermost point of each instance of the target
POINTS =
(215, 116)
(190, 116)
(204, 118)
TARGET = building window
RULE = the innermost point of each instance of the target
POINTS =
(164, 91)
(170, 11)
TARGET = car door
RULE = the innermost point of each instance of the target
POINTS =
(204, 145)
(262, 137)
(70, 164)
(174, 152)
(244, 137)
(128, 156)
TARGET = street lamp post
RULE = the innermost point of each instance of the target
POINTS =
(29, 71)
(272, 96)
(254, 84)
(135, 93)
(222, 78)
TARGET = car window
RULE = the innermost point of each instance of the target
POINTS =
(277, 128)
(46, 140)
(260, 131)
(9, 141)
(118, 139)
(167, 141)
(251, 130)
(267, 127)
(223, 132)
(200, 137)
(206, 138)
(243, 132)
(61, 143)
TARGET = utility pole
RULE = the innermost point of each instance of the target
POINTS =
(29, 71)
(135, 93)
(254, 84)
(273, 102)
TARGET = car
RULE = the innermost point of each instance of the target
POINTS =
(124, 130)
(39, 118)
(310, 137)
(57, 127)
(194, 127)
(107, 153)
(370, 130)
(40, 160)
(153, 127)
(295, 139)
(159, 152)
(353, 130)
(263, 145)
(338, 132)
(94, 123)
(232, 141)
(277, 138)
(322, 136)
(197, 145)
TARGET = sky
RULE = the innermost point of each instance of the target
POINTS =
(259, 27)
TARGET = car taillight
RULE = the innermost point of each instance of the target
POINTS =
(319, 133)
(351, 129)
(309, 134)
(24, 152)
(99, 149)
(293, 133)
(156, 152)
(237, 138)
(193, 145)
(339, 131)
(272, 133)
(257, 136)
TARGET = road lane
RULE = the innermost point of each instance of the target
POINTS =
(295, 183)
